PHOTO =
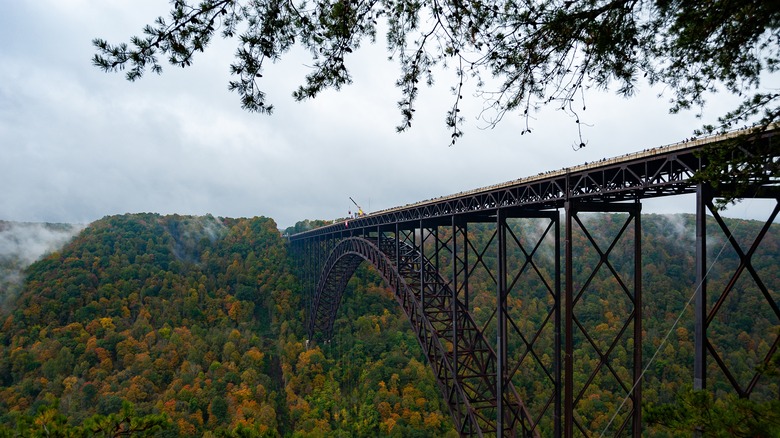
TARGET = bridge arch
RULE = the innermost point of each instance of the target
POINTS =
(463, 379)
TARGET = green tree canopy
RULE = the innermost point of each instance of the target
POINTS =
(524, 54)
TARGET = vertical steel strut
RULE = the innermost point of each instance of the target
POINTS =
(568, 321)
(703, 197)
(501, 321)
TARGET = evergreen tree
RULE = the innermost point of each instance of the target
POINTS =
(538, 51)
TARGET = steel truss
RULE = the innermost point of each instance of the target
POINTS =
(414, 262)
(744, 279)
(660, 172)
(505, 369)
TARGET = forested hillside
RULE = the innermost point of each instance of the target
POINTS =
(179, 325)
(197, 319)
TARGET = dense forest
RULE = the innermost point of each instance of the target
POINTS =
(180, 325)
(195, 324)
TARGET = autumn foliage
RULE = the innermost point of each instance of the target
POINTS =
(193, 326)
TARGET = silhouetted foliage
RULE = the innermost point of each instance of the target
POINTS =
(522, 55)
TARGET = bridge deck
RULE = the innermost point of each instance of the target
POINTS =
(660, 171)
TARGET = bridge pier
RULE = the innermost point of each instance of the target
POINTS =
(528, 253)
(576, 292)
(744, 279)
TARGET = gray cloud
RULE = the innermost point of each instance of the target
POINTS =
(78, 144)
(28, 242)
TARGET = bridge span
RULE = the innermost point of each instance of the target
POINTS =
(427, 253)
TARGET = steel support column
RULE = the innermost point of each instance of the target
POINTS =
(703, 197)
(568, 321)
(558, 413)
(501, 322)
(454, 300)
(637, 387)
(421, 250)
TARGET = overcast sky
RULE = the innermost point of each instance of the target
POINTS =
(77, 144)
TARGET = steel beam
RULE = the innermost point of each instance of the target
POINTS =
(501, 295)
(658, 172)
(703, 197)
(568, 321)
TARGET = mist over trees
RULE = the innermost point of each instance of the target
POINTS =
(27, 241)
(21, 244)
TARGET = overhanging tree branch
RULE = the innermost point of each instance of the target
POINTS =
(539, 52)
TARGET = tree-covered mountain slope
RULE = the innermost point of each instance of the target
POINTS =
(193, 326)
(173, 314)
(196, 320)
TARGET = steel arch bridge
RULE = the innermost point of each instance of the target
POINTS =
(427, 252)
